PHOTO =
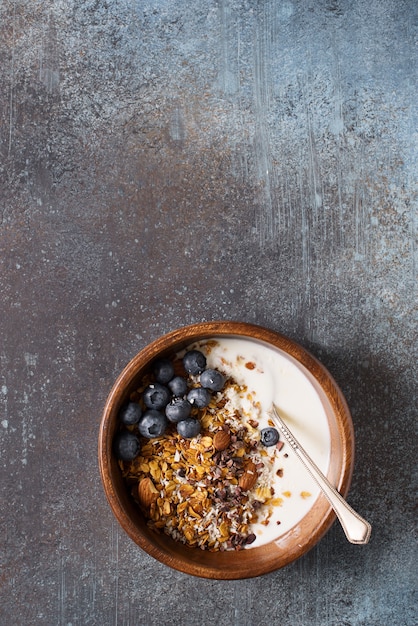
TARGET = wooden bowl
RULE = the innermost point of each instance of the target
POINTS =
(229, 564)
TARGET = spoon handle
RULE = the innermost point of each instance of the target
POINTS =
(356, 529)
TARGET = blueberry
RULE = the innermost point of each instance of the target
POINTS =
(126, 446)
(152, 424)
(199, 397)
(188, 428)
(194, 362)
(163, 370)
(178, 409)
(130, 413)
(269, 436)
(178, 386)
(156, 396)
(212, 379)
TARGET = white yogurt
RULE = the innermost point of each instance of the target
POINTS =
(278, 378)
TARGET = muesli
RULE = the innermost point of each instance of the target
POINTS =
(208, 490)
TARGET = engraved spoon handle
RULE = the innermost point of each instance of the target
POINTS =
(356, 529)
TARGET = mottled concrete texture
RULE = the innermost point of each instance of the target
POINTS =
(165, 162)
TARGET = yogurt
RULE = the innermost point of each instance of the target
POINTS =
(271, 376)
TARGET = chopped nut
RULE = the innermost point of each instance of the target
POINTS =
(147, 492)
(221, 440)
(249, 477)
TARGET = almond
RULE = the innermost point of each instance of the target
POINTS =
(147, 492)
(249, 477)
(221, 440)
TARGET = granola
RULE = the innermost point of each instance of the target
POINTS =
(201, 493)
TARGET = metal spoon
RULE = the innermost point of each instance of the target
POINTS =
(356, 529)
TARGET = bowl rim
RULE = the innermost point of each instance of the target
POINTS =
(175, 340)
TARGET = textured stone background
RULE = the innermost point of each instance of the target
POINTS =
(166, 162)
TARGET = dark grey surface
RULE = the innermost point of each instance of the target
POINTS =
(171, 162)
